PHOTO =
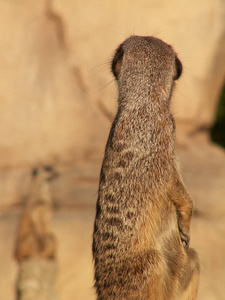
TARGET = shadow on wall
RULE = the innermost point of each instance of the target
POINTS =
(218, 129)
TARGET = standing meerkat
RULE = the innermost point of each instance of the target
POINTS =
(141, 231)
(35, 235)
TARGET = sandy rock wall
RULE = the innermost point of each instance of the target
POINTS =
(45, 112)
(55, 69)
(57, 91)
(57, 99)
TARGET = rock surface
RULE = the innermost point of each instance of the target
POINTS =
(58, 99)
(55, 104)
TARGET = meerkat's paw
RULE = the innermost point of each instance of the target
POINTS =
(184, 236)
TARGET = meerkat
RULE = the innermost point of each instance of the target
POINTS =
(35, 236)
(141, 230)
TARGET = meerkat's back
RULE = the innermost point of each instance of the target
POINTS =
(141, 232)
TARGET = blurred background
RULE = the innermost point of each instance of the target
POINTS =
(57, 101)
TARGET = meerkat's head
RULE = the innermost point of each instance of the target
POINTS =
(46, 172)
(146, 58)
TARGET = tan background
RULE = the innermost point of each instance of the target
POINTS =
(57, 99)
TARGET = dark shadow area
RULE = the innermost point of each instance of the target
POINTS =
(218, 129)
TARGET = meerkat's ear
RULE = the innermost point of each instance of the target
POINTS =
(117, 61)
(179, 68)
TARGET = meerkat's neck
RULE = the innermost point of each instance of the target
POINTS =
(150, 99)
(145, 120)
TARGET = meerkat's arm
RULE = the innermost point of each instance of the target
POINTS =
(184, 205)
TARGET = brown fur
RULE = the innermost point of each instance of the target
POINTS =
(35, 237)
(141, 231)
